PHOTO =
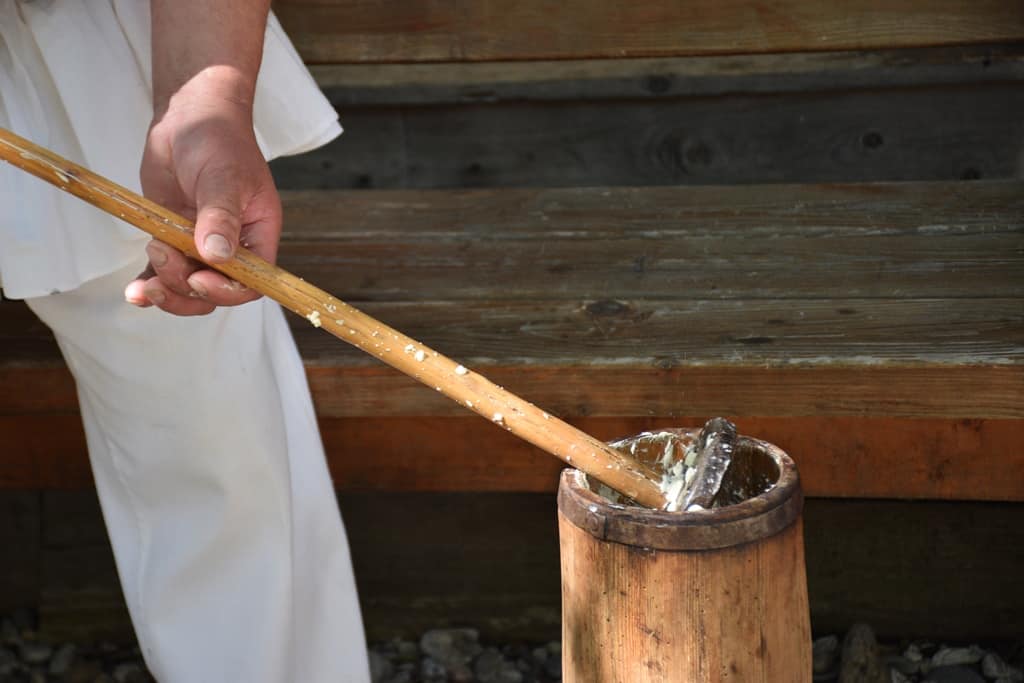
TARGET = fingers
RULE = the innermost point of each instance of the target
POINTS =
(218, 221)
(150, 291)
(179, 285)
(219, 290)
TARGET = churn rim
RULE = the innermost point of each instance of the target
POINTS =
(753, 519)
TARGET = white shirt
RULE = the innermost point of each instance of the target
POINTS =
(75, 77)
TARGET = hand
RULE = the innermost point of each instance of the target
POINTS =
(201, 160)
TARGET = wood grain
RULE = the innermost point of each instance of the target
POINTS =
(658, 616)
(433, 83)
(445, 30)
(841, 457)
(959, 131)
(912, 240)
(787, 302)
(955, 392)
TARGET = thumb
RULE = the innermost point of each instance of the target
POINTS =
(218, 215)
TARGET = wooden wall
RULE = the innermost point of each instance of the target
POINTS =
(339, 31)
(940, 107)
(929, 114)
(493, 94)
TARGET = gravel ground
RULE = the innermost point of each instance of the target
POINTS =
(460, 656)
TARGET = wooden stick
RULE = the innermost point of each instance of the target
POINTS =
(463, 386)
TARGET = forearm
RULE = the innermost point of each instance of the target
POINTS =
(206, 49)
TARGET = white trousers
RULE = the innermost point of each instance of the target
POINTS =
(214, 488)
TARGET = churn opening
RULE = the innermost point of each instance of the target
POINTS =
(760, 496)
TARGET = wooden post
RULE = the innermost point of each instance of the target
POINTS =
(700, 597)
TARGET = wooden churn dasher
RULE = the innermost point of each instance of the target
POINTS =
(705, 596)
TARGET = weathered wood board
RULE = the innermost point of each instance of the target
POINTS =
(979, 459)
(899, 241)
(912, 114)
(885, 309)
(491, 560)
(445, 30)
(914, 133)
(597, 80)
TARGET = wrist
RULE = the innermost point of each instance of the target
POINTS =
(220, 89)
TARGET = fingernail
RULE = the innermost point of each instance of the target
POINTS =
(141, 303)
(216, 245)
(155, 295)
(197, 288)
(157, 254)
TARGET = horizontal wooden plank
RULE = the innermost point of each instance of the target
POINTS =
(892, 240)
(440, 30)
(745, 336)
(840, 457)
(670, 386)
(374, 84)
(866, 390)
(941, 240)
(837, 457)
(614, 361)
(657, 213)
(883, 134)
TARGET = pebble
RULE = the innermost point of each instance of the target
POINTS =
(950, 656)
(953, 674)
(457, 655)
(825, 655)
(35, 653)
(492, 667)
(62, 659)
(432, 670)
(553, 668)
(903, 664)
(381, 668)
(993, 666)
(130, 672)
(453, 648)
(861, 662)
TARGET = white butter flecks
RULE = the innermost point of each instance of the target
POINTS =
(420, 356)
(459, 370)
(691, 455)
(314, 318)
(498, 418)
(673, 495)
